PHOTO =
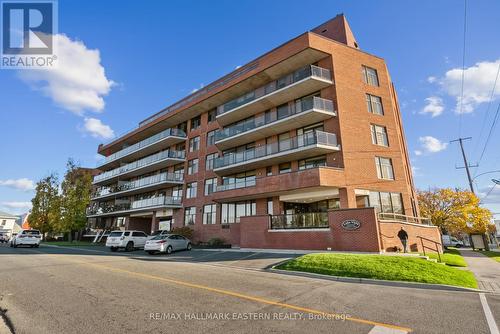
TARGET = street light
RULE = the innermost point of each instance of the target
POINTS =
(497, 182)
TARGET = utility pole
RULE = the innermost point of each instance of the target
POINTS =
(466, 164)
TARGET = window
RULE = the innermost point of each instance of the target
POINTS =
(370, 76)
(283, 111)
(4, 221)
(312, 162)
(191, 190)
(384, 168)
(194, 144)
(269, 171)
(192, 166)
(190, 215)
(139, 234)
(240, 180)
(195, 123)
(269, 206)
(179, 170)
(379, 135)
(210, 185)
(210, 161)
(386, 202)
(374, 104)
(212, 114)
(285, 167)
(177, 191)
(210, 138)
(209, 211)
(232, 212)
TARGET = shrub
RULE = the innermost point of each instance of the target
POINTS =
(216, 242)
(184, 231)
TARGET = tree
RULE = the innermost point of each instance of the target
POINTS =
(45, 213)
(454, 211)
(75, 197)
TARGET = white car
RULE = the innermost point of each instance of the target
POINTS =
(30, 238)
(128, 240)
(167, 243)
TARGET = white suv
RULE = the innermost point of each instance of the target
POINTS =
(129, 240)
(30, 238)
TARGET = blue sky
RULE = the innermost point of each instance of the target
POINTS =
(152, 53)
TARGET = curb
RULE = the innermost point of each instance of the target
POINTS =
(401, 284)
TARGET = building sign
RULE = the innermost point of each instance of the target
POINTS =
(351, 224)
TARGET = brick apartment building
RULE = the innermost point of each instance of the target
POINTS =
(295, 141)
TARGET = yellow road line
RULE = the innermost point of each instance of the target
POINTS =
(240, 295)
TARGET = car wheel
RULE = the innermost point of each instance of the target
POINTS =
(113, 249)
(458, 245)
(36, 246)
(169, 250)
(151, 252)
(130, 246)
(189, 247)
(15, 245)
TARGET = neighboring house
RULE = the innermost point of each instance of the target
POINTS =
(497, 225)
(8, 224)
(285, 142)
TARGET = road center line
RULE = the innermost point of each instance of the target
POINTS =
(241, 296)
(489, 316)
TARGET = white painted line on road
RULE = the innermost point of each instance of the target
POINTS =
(489, 316)
(385, 330)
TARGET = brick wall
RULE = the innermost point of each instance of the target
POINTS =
(389, 236)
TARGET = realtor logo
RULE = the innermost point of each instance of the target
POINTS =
(28, 29)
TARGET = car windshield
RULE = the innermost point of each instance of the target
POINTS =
(159, 237)
(32, 232)
(156, 232)
(116, 234)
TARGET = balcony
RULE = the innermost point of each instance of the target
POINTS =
(144, 184)
(237, 185)
(147, 146)
(304, 112)
(150, 163)
(135, 206)
(305, 80)
(295, 148)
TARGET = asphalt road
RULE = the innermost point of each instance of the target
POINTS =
(61, 290)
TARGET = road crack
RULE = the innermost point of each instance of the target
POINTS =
(5, 318)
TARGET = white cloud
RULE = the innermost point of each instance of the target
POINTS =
(478, 83)
(418, 152)
(20, 184)
(16, 205)
(415, 171)
(78, 83)
(431, 79)
(97, 129)
(493, 197)
(431, 144)
(434, 106)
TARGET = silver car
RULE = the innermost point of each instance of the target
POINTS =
(167, 243)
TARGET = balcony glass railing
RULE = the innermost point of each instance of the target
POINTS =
(287, 80)
(151, 159)
(308, 139)
(236, 185)
(305, 104)
(105, 208)
(299, 221)
(139, 183)
(143, 143)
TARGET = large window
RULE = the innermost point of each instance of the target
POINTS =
(374, 104)
(384, 168)
(312, 162)
(285, 167)
(210, 185)
(212, 114)
(240, 180)
(192, 166)
(179, 170)
(370, 76)
(210, 138)
(191, 189)
(386, 202)
(270, 206)
(209, 212)
(194, 144)
(189, 215)
(210, 161)
(379, 135)
(232, 212)
(177, 191)
(195, 122)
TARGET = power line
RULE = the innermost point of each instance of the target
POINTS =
(493, 124)
(463, 72)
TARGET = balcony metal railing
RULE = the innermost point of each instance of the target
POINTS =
(143, 143)
(386, 216)
(287, 80)
(299, 221)
(140, 163)
(237, 185)
(308, 139)
(135, 205)
(305, 104)
(139, 183)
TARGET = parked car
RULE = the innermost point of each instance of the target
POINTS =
(167, 243)
(128, 240)
(159, 232)
(449, 241)
(30, 238)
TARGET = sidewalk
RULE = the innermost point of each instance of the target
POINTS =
(486, 270)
